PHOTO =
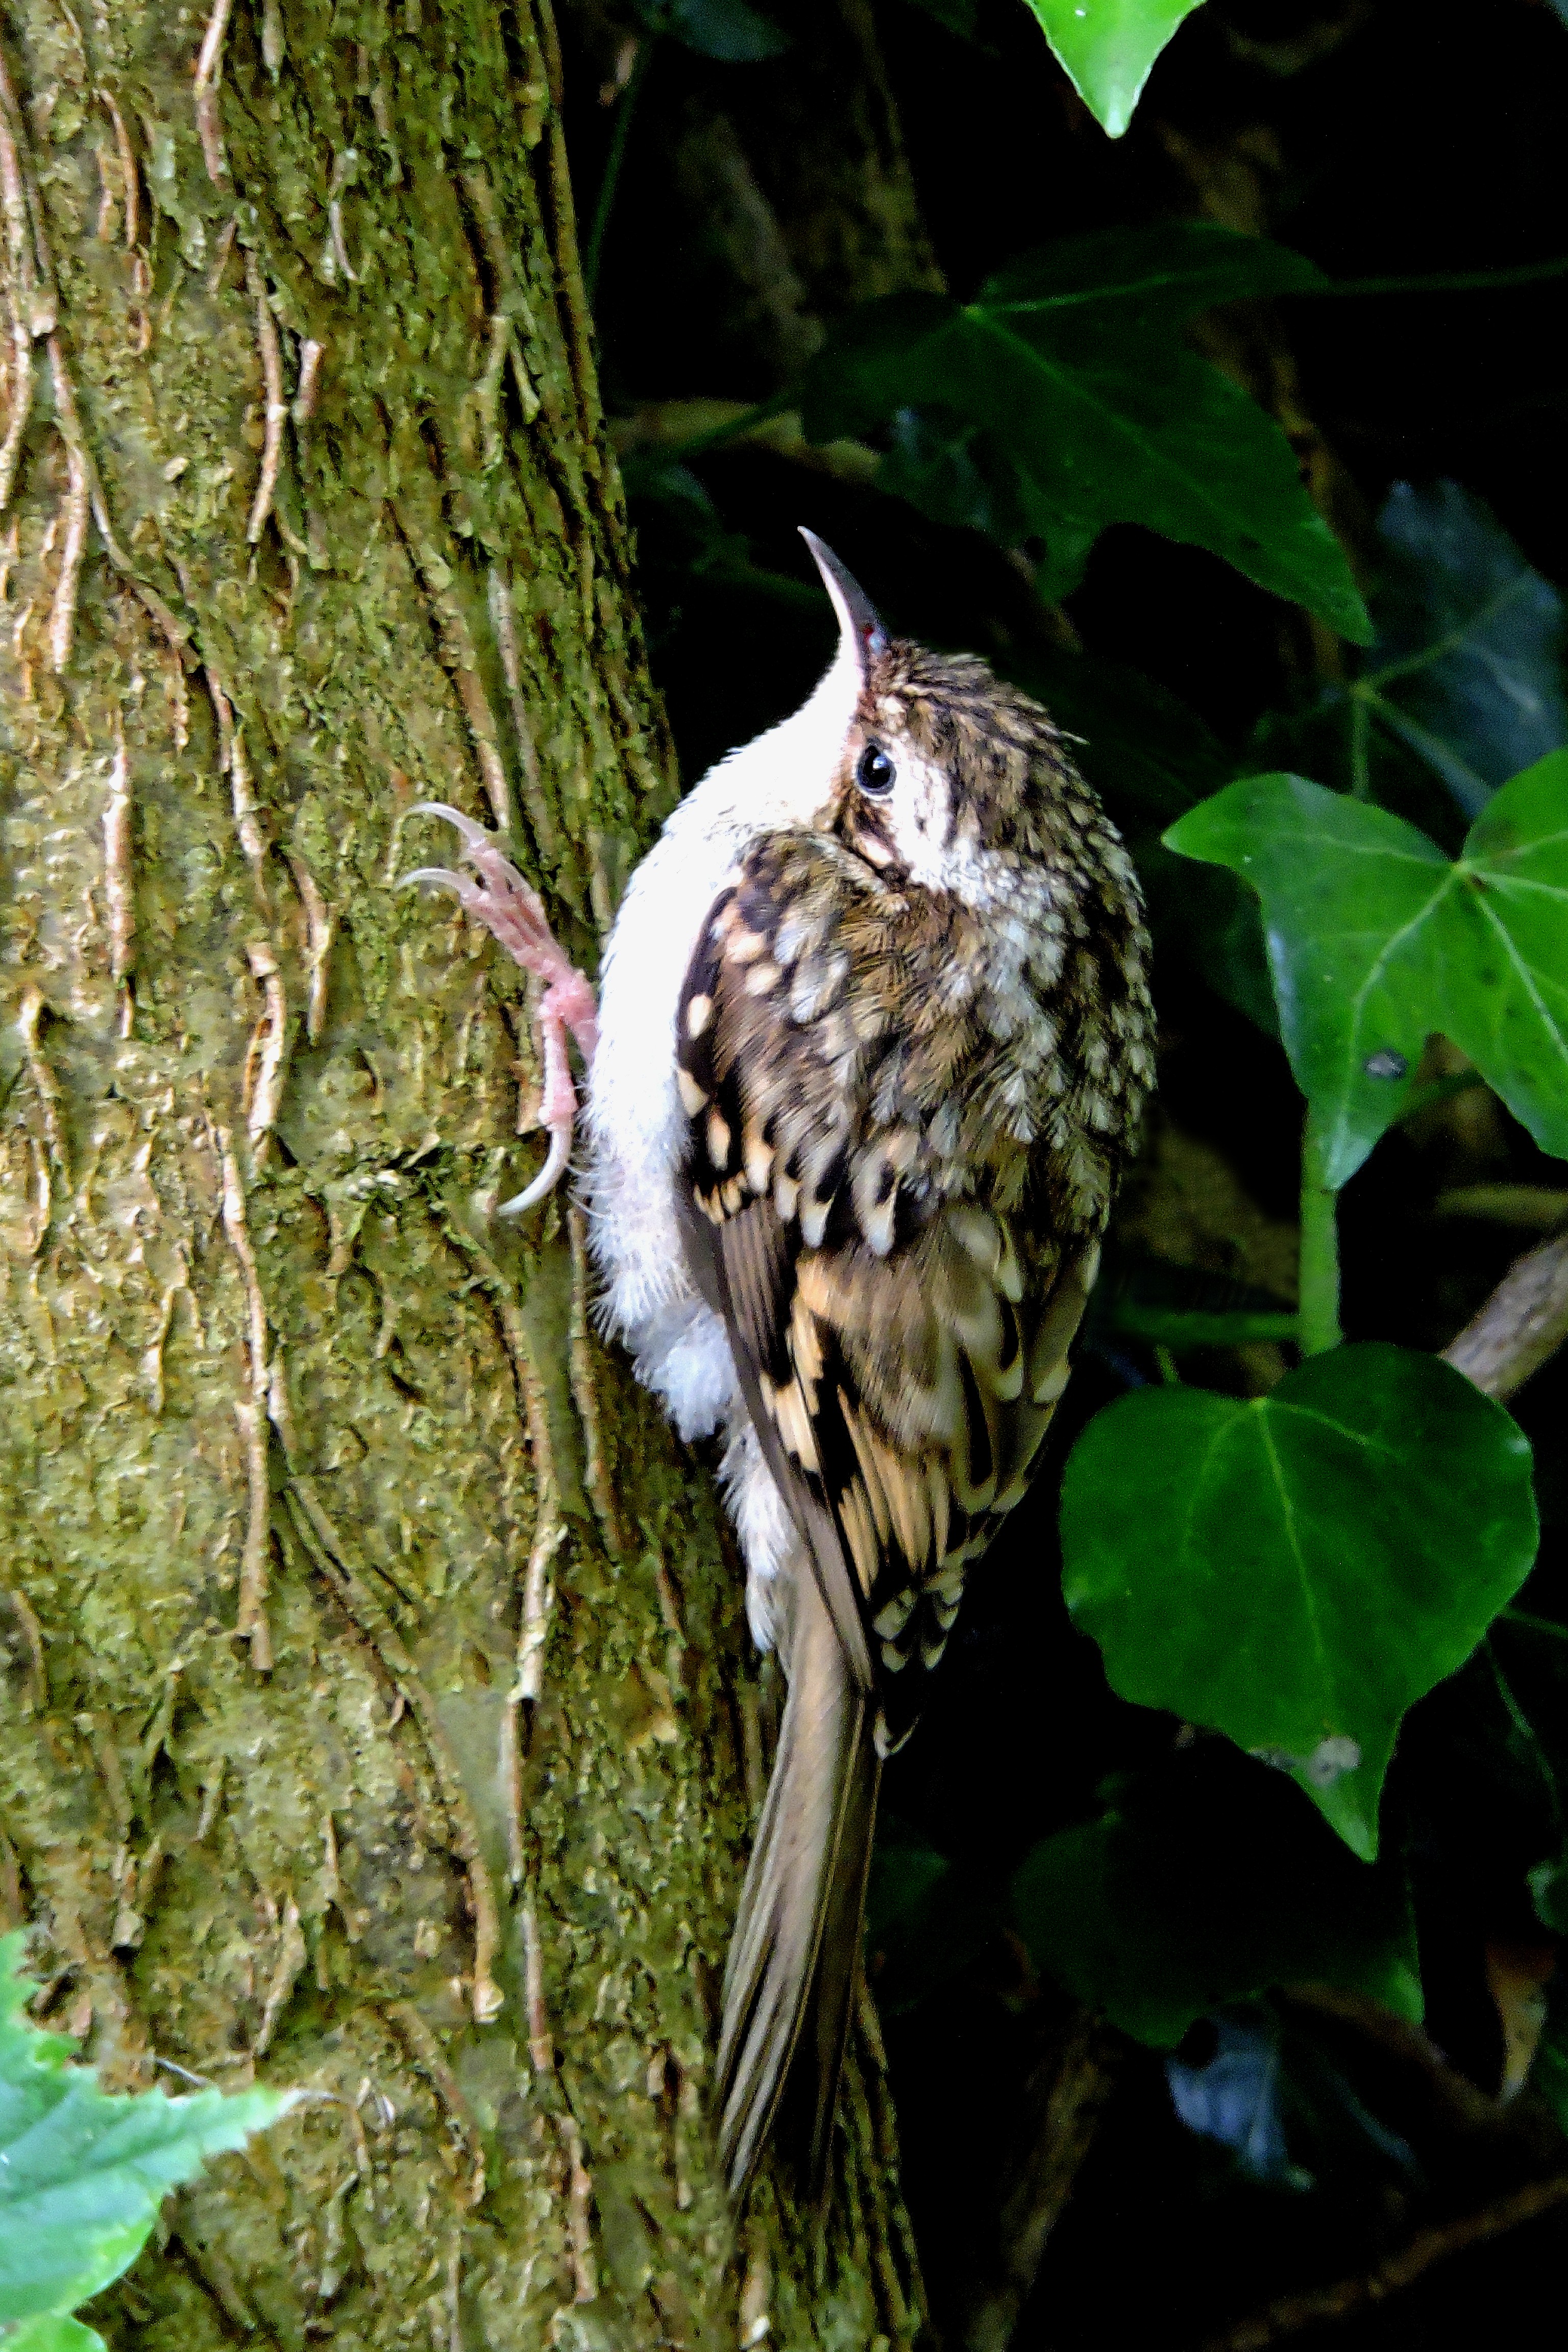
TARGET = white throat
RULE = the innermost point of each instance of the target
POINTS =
(779, 782)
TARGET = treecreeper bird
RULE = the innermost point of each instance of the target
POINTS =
(873, 1034)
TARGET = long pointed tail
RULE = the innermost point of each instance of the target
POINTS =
(790, 1981)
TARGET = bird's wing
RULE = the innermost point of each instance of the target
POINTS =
(901, 1347)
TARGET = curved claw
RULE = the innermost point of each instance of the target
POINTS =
(444, 879)
(513, 912)
(547, 1179)
(474, 835)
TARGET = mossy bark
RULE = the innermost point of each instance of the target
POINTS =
(377, 1714)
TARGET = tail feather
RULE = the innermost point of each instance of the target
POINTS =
(790, 1981)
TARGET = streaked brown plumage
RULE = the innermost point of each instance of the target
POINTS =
(908, 1107)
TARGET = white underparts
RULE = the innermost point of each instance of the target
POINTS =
(682, 1354)
(637, 1127)
(768, 1536)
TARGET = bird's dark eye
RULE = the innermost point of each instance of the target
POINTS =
(876, 771)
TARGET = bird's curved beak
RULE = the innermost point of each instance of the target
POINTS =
(859, 626)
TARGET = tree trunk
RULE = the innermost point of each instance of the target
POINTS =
(378, 1712)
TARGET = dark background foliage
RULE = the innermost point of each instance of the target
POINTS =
(1292, 2140)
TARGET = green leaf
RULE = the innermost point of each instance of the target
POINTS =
(52, 2332)
(963, 475)
(1107, 48)
(1204, 1884)
(1464, 684)
(82, 2172)
(1065, 398)
(1375, 941)
(1467, 669)
(1548, 1884)
(1297, 1569)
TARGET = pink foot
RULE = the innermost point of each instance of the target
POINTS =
(511, 909)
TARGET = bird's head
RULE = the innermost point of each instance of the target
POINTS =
(945, 777)
(935, 773)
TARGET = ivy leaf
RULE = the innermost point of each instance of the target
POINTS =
(1209, 1883)
(963, 475)
(1296, 1570)
(52, 2332)
(1464, 684)
(82, 2173)
(1065, 399)
(1376, 940)
(1467, 669)
(1108, 47)
(1548, 1884)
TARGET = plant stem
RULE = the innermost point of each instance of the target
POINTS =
(1443, 281)
(1533, 1625)
(1370, 681)
(624, 106)
(1360, 732)
(1320, 1308)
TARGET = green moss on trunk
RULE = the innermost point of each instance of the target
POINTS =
(372, 1672)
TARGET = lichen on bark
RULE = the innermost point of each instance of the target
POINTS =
(373, 1675)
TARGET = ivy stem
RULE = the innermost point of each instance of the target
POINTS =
(1361, 730)
(625, 105)
(1445, 282)
(1533, 1625)
(1319, 1307)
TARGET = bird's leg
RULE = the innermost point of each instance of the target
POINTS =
(513, 912)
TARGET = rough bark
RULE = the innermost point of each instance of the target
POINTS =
(378, 1713)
